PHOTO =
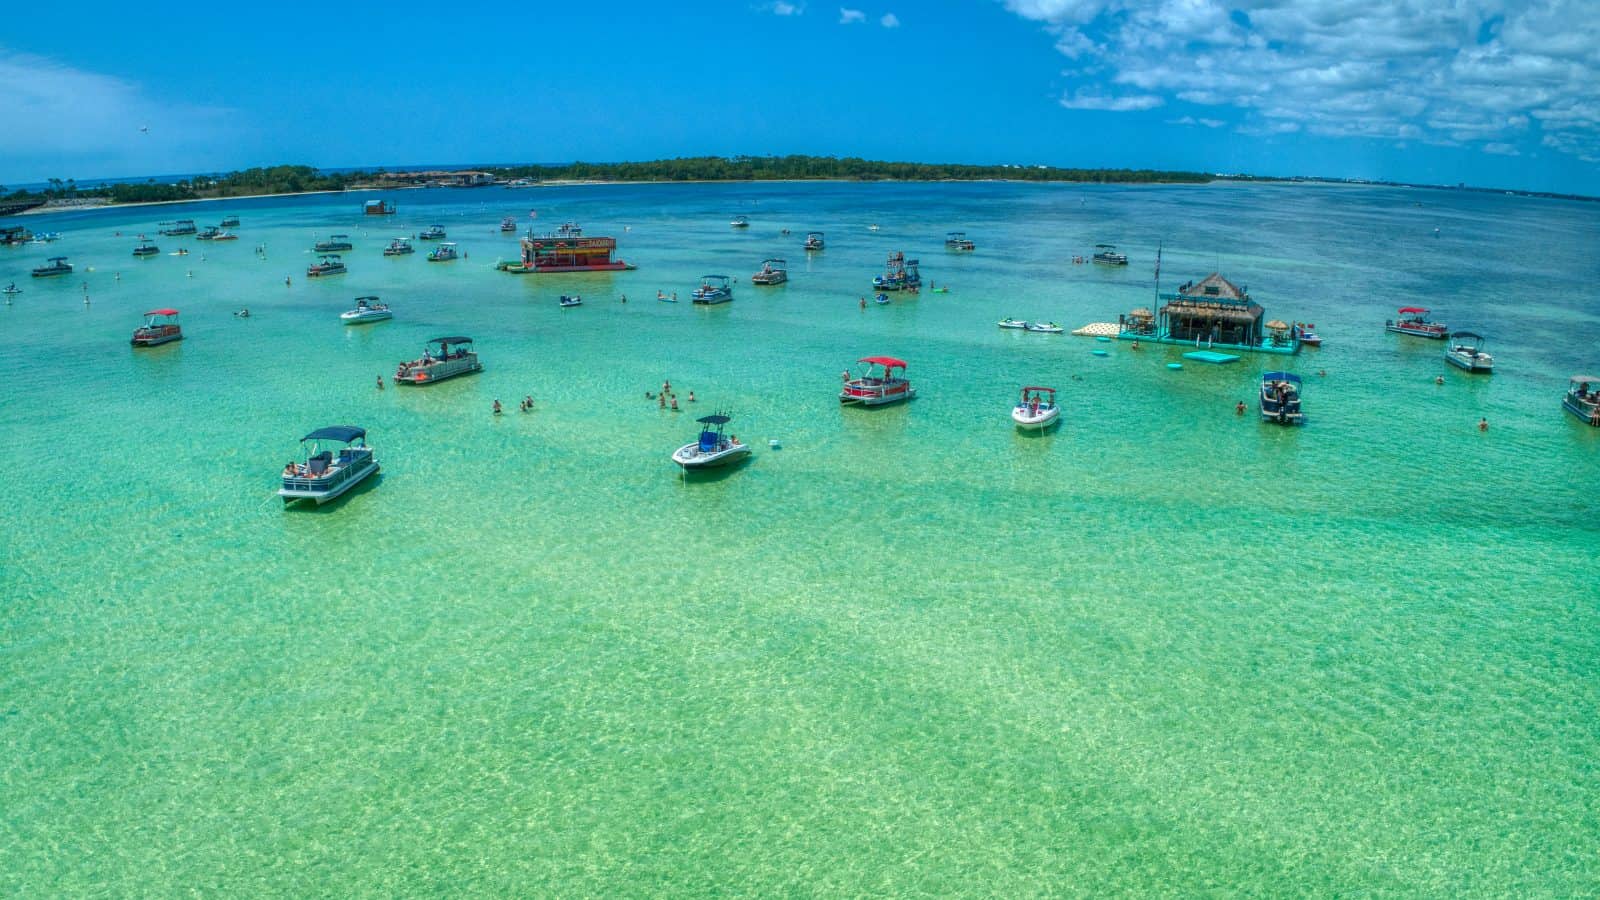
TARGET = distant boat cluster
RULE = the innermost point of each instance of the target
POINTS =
(1212, 316)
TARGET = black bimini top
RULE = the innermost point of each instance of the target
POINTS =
(345, 433)
(451, 340)
(1472, 335)
(713, 420)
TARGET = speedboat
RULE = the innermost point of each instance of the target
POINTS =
(1413, 320)
(740, 222)
(714, 448)
(573, 300)
(1582, 400)
(399, 247)
(327, 265)
(454, 356)
(211, 231)
(230, 222)
(508, 224)
(1036, 409)
(814, 241)
(1107, 255)
(1280, 399)
(878, 384)
(1465, 350)
(773, 271)
(58, 266)
(325, 475)
(160, 326)
(1307, 334)
(367, 309)
(1009, 322)
(713, 289)
(11, 290)
(433, 233)
(957, 240)
(443, 253)
(146, 248)
(225, 236)
(334, 244)
(1045, 327)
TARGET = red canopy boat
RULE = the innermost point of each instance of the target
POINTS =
(1414, 321)
(160, 326)
(877, 385)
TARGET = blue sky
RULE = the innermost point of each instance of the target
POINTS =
(1489, 93)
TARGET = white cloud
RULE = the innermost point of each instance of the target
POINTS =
(1191, 120)
(1501, 149)
(783, 8)
(1408, 69)
(1088, 99)
(890, 20)
(85, 123)
(851, 16)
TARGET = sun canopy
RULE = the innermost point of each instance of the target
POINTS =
(713, 420)
(451, 340)
(1281, 376)
(345, 433)
(1473, 335)
(1589, 378)
(1411, 309)
(888, 362)
(1027, 389)
(162, 312)
(1277, 324)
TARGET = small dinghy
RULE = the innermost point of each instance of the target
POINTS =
(573, 300)
(1009, 322)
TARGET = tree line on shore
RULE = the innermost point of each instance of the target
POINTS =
(298, 179)
(268, 180)
(790, 168)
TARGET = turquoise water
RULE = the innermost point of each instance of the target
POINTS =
(1164, 649)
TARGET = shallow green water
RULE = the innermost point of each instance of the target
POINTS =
(1164, 649)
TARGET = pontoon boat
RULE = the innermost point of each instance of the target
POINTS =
(713, 289)
(1465, 350)
(454, 356)
(1414, 321)
(325, 475)
(878, 384)
(1280, 399)
(160, 327)
(773, 271)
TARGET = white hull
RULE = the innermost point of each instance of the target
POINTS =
(690, 457)
(1044, 418)
(290, 495)
(363, 318)
(1481, 362)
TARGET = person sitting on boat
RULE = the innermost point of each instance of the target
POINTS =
(733, 439)
(290, 470)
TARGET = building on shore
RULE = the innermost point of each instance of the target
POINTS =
(1212, 313)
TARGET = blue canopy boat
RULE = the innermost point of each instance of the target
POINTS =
(713, 448)
(325, 474)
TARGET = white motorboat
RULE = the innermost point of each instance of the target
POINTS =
(573, 300)
(1465, 351)
(325, 475)
(1045, 327)
(713, 448)
(1009, 322)
(1036, 409)
(367, 309)
(1280, 399)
